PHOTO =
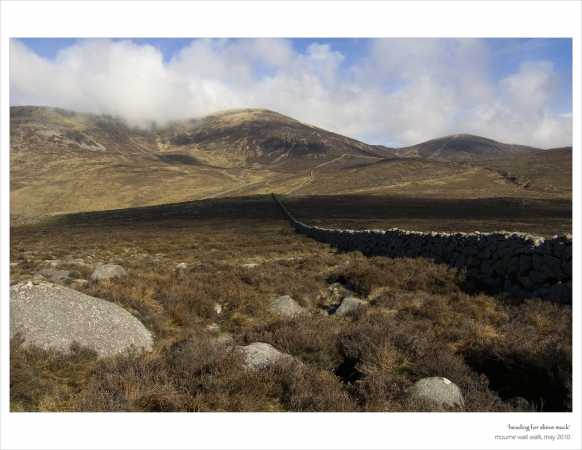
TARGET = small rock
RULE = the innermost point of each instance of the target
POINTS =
(181, 266)
(107, 272)
(285, 306)
(260, 355)
(218, 309)
(250, 265)
(348, 305)
(56, 276)
(439, 390)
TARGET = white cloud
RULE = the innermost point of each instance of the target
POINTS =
(402, 91)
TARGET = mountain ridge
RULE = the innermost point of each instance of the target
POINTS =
(63, 161)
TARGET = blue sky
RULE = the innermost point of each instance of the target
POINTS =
(478, 85)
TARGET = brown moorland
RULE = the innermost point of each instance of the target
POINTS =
(239, 253)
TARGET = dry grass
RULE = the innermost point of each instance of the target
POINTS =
(419, 322)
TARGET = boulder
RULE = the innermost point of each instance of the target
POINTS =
(53, 317)
(438, 390)
(260, 355)
(285, 306)
(348, 305)
(107, 272)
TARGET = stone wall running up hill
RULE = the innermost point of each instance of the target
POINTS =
(519, 264)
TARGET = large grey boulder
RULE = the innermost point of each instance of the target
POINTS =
(107, 272)
(53, 317)
(260, 355)
(348, 305)
(285, 306)
(438, 390)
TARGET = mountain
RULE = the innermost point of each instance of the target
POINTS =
(258, 138)
(63, 161)
(461, 147)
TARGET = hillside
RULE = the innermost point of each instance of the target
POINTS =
(548, 171)
(64, 161)
(257, 138)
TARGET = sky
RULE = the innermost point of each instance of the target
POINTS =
(388, 91)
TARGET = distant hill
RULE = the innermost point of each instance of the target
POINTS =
(461, 147)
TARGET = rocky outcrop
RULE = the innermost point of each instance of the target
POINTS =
(54, 317)
(520, 264)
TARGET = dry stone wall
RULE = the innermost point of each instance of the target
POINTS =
(519, 264)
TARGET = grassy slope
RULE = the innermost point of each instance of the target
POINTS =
(548, 172)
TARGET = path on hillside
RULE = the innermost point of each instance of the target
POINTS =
(310, 178)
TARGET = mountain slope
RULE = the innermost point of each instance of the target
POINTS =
(63, 161)
(547, 171)
(258, 138)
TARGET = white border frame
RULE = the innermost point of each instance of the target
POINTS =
(280, 19)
